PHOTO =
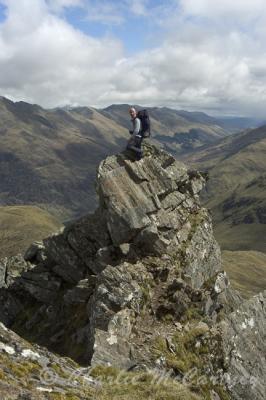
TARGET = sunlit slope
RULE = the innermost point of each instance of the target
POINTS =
(246, 270)
(49, 157)
(180, 132)
(236, 190)
(21, 225)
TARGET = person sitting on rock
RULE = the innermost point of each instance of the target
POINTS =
(134, 142)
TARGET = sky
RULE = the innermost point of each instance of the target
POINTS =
(197, 55)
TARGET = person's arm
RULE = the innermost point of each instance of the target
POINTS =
(136, 126)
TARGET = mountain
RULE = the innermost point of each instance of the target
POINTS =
(136, 291)
(236, 190)
(180, 132)
(246, 270)
(48, 157)
(22, 225)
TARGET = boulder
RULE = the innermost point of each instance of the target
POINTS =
(138, 282)
(243, 336)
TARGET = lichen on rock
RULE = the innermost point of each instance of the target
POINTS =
(136, 285)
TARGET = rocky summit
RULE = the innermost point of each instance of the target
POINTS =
(135, 287)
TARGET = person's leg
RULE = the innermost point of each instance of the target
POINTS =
(138, 148)
(130, 143)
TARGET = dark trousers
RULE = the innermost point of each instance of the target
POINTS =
(134, 144)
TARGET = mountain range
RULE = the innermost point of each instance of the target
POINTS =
(48, 159)
(181, 132)
(236, 190)
(131, 302)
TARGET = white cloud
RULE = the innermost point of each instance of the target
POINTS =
(44, 60)
(211, 58)
(237, 9)
(59, 5)
(105, 12)
(111, 12)
(138, 7)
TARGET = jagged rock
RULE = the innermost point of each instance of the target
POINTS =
(68, 264)
(35, 252)
(131, 193)
(30, 372)
(11, 268)
(221, 296)
(243, 336)
(221, 283)
(118, 296)
(80, 293)
(202, 256)
(41, 284)
(144, 265)
(147, 208)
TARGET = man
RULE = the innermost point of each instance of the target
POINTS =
(134, 142)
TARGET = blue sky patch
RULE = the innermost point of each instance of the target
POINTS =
(2, 12)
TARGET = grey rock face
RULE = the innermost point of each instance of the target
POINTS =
(112, 309)
(81, 292)
(145, 261)
(41, 284)
(35, 252)
(31, 372)
(142, 200)
(243, 336)
(11, 268)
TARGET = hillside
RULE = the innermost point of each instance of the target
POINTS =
(22, 225)
(246, 270)
(135, 294)
(48, 157)
(236, 190)
(181, 132)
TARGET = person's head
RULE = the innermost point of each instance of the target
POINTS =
(133, 113)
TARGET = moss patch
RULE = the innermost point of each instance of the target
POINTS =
(138, 385)
(189, 351)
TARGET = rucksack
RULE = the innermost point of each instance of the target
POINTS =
(145, 123)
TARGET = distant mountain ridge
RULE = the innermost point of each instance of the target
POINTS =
(48, 157)
(236, 191)
(181, 132)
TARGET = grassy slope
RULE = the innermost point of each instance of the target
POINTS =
(246, 270)
(49, 157)
(177, 131)
(181, 132)
(21, 225)
(236, 191)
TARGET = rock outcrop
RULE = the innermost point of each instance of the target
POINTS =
(28, 371)
(138, 284)
(244, 345)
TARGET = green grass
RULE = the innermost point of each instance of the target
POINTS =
(246, 270)
(21, 225)
(242, 237)
(236, 190)
(139, 386)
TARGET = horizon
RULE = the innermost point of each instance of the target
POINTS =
(138, 106)
(182, 54)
